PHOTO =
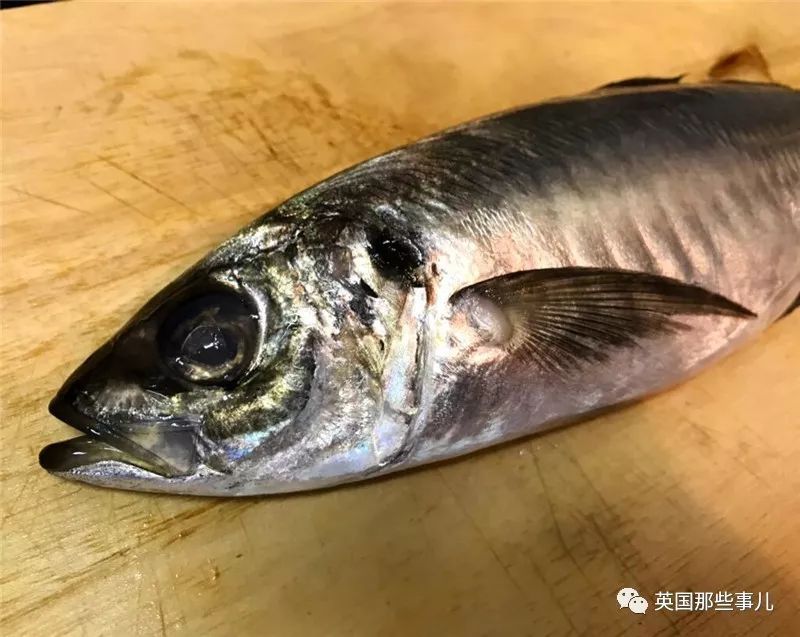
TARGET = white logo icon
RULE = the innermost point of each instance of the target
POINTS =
(629, 598)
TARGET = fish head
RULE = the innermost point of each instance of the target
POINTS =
(282, 361)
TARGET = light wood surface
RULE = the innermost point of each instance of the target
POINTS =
(138, 136)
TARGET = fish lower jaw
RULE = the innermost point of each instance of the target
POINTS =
(127, 474)
(82, 451)
(103, 442)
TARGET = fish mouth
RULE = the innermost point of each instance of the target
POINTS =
(164, 448)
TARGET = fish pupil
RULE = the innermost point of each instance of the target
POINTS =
(208, 345)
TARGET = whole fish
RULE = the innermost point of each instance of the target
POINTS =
(511, 274)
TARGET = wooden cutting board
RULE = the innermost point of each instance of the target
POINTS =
(137, 136)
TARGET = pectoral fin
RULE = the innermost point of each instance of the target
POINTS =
(562, 317)
(795, 305)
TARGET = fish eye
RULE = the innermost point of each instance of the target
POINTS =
(209, 339)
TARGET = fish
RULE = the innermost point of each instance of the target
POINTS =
(516, 273)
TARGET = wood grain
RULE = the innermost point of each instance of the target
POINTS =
(137, 136)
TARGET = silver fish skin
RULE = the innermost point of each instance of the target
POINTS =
(500, 278)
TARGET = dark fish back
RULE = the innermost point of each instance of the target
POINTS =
(572, 144)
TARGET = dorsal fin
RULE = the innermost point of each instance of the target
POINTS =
(636, 82)
(744, 65)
